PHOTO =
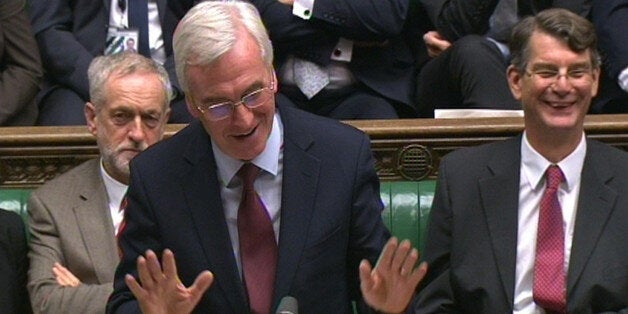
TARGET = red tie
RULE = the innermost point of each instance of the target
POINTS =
(258, 249)
(550, 290)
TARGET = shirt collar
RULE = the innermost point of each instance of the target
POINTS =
(534, 164)
(268, 160)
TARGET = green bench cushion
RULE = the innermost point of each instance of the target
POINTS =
(15, 200)
(406, 207)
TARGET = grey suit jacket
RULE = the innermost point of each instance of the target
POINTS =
(472, 235)
(70, 223)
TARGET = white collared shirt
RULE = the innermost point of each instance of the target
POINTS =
(115, 192)
(531, 188)
(267, 184)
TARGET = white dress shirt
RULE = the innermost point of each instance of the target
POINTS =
(115, 192)
(531, 188)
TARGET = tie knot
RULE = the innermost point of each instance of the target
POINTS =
(248, 173)
(554, 177)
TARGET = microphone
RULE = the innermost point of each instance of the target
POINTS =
(288, 305)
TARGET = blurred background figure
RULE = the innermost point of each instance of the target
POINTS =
(71, 33)
(469, 47)
(611, 22)
(345, 59)
(20, 66)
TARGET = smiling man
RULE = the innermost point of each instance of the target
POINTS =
(73, 218)
(534, 224)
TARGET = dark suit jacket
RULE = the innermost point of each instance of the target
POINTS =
(611, 22)
(71, 33)
(13, 264)
(20, 66)
(472, 234)
(330, 216)
(458, 18)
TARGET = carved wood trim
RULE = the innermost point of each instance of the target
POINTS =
(406, 149)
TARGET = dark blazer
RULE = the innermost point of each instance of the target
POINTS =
(611, 22)
(71, 33)
(472, 234)
(20, 66)
(13, 264)
(330, 216)
(458, 18)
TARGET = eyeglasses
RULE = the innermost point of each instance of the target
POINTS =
(550, 76)
(223, 110)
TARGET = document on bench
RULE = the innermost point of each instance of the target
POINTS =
(475, 113)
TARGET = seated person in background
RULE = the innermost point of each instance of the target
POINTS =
(344, 59)
(470, 52)
(72, 33)
(20, 66)
(536, 223)
(257, 200)
(610, 18)
(73, 218)
(13, 264)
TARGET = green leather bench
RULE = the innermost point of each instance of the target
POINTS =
(407, 205)
(15, 200)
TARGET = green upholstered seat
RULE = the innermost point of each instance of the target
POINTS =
(407, 206)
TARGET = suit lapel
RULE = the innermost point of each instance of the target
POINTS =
(300, 180)
(95, 224)
(202, 191)
(595, 206)
(500, 200)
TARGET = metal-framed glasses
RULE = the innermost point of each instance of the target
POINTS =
(550, 75)
(223, 110)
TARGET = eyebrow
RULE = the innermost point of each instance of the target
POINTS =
(578, 65)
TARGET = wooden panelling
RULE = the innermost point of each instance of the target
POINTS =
(407, 149)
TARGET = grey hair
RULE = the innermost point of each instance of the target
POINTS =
(122, 64)
(576, 31)
(210, 29)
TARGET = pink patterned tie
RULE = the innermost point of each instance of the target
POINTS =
(258, 249)
(550, 290)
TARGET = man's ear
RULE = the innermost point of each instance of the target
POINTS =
(191, 108)
(514, 81)
(90, 116)
(595, 76)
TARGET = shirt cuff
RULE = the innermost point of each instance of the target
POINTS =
(303, 8)
(343, 50)
(622, 80)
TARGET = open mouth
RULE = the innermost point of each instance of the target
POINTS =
(560, 104)
(246, 135)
